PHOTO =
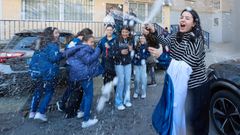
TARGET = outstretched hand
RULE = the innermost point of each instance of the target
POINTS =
(155, 52)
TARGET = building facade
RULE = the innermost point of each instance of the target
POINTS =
(216, 15)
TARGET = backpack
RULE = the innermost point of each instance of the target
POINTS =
(35, 64)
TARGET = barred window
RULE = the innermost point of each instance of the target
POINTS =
(79, 10)
(142, 12)
(139, 10)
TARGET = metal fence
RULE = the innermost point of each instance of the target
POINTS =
(9, 27)
(206, 35)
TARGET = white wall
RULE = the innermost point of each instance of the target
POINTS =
(236, 27)
(227, 27)
(217, 29)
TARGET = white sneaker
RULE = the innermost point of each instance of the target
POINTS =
(89, 123)
(80, 114)
(128, 104)
(143, 96)
(31, 115)
(40, 116)
(135, 95)
(121, 107)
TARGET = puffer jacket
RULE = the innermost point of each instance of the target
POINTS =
(84, 63)
(45, 62)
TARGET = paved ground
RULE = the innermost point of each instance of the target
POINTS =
(132, 121)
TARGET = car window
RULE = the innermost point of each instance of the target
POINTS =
(21, 42)
(27, 42)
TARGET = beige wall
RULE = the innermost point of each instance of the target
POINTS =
(227, 5)
(1, 9)
(100, 8)
(11, 9)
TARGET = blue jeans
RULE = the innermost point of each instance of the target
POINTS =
(123, 87)
(86, 103)
(42, 86)
(140, 80)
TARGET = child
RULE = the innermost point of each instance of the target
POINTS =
(76, 41)
(105, 44)
(122, 59)
(151, 61)
(83, 66)
(139, 61)
(43, 69)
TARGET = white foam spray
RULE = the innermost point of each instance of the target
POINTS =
(106, 92)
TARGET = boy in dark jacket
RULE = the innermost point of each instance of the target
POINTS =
(105, 44)
(83, 66)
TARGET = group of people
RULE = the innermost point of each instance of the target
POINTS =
(118, 55)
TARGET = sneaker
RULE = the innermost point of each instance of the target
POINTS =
(31, 115)
(40, 116)
(80, 114)
(120, 107)
(143, 96)
(135, 95)
(152, 84)
(60, 107)
(128, 104)
(89, 123)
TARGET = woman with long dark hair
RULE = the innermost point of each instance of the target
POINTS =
(44, 68)
(187, 45)
(121, 53)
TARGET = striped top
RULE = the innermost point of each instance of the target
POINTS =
(193, 53)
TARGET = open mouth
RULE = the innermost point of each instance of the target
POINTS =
(182, 25)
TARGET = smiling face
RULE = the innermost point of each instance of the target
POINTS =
(56, 34)
(142, 40)
(125, 33)
(186, 22)
(90, 42)
(109, 31)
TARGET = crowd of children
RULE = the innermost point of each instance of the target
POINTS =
(119, 55)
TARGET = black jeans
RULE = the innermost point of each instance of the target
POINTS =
(197, 110)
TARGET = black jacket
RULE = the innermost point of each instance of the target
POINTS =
(118, 57)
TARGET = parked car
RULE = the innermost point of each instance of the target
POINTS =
(15, 57)
(225, 96)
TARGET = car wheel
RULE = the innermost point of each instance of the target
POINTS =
(224, 109)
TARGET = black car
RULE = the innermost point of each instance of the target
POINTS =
(15, 57)
(225, 96)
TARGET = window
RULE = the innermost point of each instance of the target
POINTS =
(41, 9)
(138, 9)
(80, 10)
(216, 4)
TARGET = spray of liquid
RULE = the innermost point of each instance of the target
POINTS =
(157, 5)
(155, 9)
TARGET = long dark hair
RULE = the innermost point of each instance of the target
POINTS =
(47, 36)
(196, 30)
(120, 38)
